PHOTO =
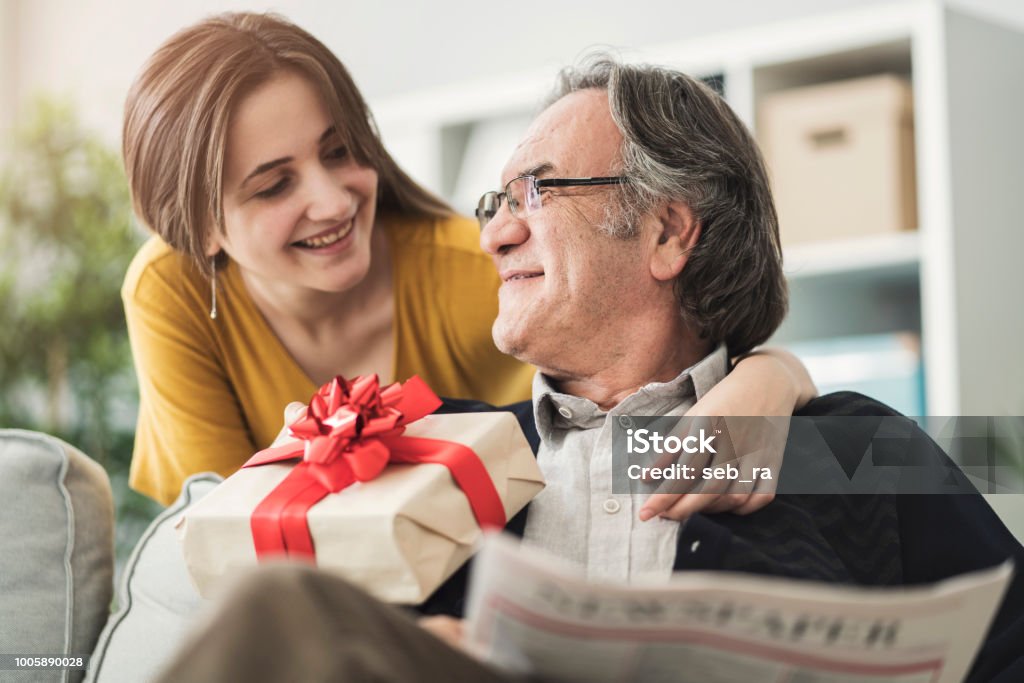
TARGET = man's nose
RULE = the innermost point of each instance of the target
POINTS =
(503, 232)
(327, 195)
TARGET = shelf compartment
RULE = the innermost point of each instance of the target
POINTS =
(868, 256)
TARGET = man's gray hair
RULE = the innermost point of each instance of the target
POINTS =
(682, 142)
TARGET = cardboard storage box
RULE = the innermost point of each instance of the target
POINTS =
(841, 158)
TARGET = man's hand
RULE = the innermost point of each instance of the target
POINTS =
(448, 629)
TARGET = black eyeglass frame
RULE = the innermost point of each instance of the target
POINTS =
(482, 214)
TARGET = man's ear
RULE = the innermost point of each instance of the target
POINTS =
(679, 231)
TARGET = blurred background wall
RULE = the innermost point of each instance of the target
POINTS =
(91, 49)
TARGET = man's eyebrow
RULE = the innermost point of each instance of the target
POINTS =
(540, 169)
(266, 166)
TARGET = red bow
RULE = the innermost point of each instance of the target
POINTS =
(350, 432)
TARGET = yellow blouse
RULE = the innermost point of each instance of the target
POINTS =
(213, 392)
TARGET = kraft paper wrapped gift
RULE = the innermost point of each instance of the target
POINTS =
(399, 536)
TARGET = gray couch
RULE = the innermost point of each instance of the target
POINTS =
(57, 567)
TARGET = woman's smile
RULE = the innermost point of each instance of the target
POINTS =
(327, 238)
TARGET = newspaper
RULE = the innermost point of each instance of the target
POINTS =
(529, 613)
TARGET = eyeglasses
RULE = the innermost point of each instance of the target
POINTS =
(523, 194)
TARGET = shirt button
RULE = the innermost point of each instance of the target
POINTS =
(611, 506)
(565, 412)
(625, 421)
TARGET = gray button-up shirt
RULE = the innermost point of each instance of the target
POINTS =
(577, 516)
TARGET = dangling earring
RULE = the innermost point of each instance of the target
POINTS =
(213, 288)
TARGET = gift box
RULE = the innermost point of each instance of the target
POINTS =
(398, 502)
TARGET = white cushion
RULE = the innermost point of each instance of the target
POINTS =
(56, 550)
(158, 602)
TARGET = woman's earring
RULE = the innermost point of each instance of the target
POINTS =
(213, 288)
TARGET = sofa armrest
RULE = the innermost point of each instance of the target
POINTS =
(56, 549)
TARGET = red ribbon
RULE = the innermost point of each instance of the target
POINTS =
(350, 432)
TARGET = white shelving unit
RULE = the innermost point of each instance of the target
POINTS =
(956, 282)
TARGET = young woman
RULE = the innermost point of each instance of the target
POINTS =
(290, 248)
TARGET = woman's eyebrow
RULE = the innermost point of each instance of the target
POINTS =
(266, 166)
(331, 130)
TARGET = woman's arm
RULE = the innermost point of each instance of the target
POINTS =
(768, 382)
(788, 385)
(189, 418)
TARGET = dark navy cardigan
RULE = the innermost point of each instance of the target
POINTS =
(872, 540)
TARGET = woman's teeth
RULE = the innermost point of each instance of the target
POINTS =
(328, 239)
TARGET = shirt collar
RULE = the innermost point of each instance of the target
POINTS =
(554, 410)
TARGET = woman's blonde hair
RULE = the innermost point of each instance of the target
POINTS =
(177, 112)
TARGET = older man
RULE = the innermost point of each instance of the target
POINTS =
(621, 208)
(637, 241)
